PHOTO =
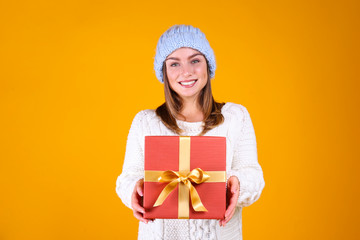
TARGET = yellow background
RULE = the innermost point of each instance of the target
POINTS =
(74, 74)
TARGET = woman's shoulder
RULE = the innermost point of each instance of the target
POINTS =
(234, 110)
(145, 114)
(237, 118)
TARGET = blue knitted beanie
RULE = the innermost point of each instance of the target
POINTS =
(179, 36)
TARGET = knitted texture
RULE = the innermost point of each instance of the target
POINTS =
(241, 161)
(182, 36)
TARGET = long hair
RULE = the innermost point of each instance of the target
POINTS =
(173, 105)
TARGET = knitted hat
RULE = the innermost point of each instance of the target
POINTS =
(179, 36)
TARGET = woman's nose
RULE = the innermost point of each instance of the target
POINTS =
(187, 70)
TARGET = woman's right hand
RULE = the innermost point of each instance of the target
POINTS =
(137, 201)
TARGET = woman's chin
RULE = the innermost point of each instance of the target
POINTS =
(187, 95)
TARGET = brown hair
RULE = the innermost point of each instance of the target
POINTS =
(173, 104)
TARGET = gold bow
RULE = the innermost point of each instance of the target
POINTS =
(196, 176)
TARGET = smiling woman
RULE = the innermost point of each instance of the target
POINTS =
(185, 63)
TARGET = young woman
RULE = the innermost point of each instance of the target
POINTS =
(185, 63)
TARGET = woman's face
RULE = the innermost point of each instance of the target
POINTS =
(186, 70)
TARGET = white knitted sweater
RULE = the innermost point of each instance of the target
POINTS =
(241, 161)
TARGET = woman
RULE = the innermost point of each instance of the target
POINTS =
(185, 63)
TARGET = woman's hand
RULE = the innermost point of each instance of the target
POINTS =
(137, 201)
(232, 195)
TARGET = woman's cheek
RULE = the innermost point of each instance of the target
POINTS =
(201, 69)
(172, 75)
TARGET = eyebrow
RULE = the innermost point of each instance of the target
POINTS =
(174, 58)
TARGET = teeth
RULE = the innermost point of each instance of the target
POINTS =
(187, 83)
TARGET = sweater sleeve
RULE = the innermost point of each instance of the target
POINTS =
(245, 164)
(133, 167)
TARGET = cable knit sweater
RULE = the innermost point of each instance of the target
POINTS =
(241, 161)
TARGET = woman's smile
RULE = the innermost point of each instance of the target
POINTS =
(188, 83)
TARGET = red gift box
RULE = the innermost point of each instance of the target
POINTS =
(185, 177)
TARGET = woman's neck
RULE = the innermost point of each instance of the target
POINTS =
(192, 111)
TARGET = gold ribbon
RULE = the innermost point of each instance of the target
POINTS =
(184, 179)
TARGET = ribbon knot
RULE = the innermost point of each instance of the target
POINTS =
(183, 179)
(197, 176)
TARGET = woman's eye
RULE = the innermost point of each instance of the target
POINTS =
(195, 61)
(173, 64)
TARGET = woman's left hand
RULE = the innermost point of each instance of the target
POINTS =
(232, 195)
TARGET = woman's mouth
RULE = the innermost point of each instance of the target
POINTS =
(188, 83)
